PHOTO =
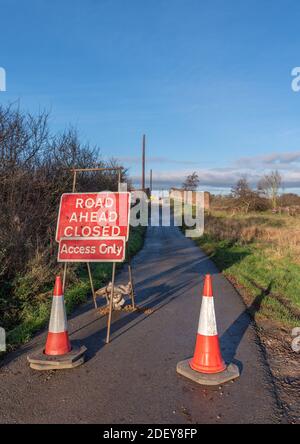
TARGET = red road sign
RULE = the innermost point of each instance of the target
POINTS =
(84, 215)
(91, 250)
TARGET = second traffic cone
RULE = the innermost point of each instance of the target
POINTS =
(207, 357)
(58, 339)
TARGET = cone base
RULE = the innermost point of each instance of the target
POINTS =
(207, 357)
(229, 374)
(207, 370)
(39, 361)
(57, 344)
(63, 366)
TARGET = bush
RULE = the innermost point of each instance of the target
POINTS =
(34, 172)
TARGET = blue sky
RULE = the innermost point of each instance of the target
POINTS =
(208, 82)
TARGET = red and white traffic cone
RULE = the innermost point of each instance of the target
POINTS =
(58, 339)
(58, 353)
(207, 366)
(207, 357)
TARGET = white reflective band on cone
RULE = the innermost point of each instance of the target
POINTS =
(207, 321)
(58, 319)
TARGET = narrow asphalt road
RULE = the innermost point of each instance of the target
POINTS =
(134, 379)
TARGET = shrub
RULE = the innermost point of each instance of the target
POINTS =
(34, 172)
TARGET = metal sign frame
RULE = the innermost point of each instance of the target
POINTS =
(74, 171)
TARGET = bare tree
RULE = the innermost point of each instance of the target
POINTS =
(191, 182)
(34, 172)
(269, 186)
(243, 195)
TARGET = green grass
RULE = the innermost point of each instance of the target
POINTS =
(36, 316)
(272, 285)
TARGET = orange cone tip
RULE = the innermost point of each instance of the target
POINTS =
(207, 289)
(207, 356)
(58, 291)
(58, 339)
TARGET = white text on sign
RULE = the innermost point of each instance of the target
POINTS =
(91, 250)
(83, 215)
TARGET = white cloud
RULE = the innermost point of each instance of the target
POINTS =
(214, 179)
(218, 179)
(271, 160)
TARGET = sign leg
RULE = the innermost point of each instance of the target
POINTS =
(132, 285)
(111, 302)
(64, 276)
(130, 279)
(92, 284)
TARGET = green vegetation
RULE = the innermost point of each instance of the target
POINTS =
(259, 253)
(35, 170)
(35, 315)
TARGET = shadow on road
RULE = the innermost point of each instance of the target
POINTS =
(156, 297)
(232, 337)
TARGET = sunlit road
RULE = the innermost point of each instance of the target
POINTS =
(134, 379)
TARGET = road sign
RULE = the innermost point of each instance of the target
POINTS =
(92, 249)
(84, 215)
(94, 227)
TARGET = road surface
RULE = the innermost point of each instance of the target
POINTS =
(134, 379)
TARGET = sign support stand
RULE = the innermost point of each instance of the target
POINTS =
(130, 278)
(111, 302)
(119, 169)
(92, 284)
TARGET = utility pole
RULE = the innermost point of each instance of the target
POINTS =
(150, 180)
(143, 162)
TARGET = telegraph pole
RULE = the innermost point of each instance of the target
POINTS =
(150, 180)
(143, 162)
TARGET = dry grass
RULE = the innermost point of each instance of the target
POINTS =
(259, 252)
(279, 234)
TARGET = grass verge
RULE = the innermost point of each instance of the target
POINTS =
(269, 282)
(271, 287)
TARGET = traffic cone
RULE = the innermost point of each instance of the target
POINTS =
(58, 339)
(207, 366)
(207, 357)
(58, 353)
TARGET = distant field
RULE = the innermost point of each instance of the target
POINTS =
(260, 253)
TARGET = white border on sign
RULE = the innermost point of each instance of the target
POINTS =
(121, 238)
(101, 192)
